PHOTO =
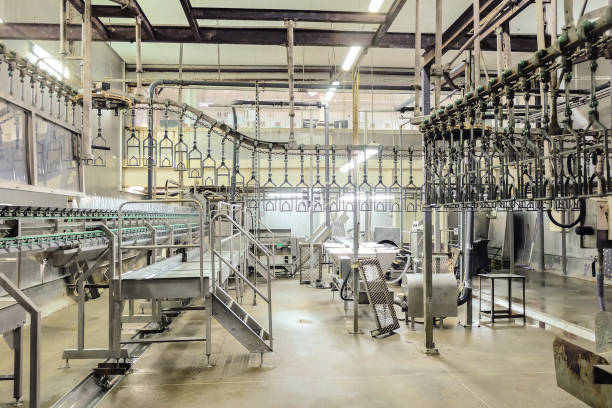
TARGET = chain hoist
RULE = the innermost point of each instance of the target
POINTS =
(195, 156)
(223, 172)
(166, 147)
(209, 165)
(286, 188)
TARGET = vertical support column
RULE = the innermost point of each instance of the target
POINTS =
(86, 153)
(326, 141)
(438, 57)
(541, 45)
(290, 26)
(418, 61)
(138, 32)
(430, 346)
(437, 90)
(181, 174)
(356, 222)
(540, 222)
(476, 9)
(17, 364)
(63, 52)
(35, 334)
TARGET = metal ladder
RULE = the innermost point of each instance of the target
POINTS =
(241, 325)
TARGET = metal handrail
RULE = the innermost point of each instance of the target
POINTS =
(35, 335)
(186, 245)
(235, 270)
(250, 237)
(260, 222)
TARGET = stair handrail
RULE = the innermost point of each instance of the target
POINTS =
(260, 222)
(250, 237)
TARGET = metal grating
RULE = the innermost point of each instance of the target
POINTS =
(379, 296)
(309, 271)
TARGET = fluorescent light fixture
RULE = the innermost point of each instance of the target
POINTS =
(44, 60)
(135, 189)
(350, 58)
(375, 5)
(359, 158)
(313, 93)
(205, 104)
(335, 83)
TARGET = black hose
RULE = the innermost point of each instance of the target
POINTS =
(464, 295)
(578, 220)
(600, 292)
(343, 287)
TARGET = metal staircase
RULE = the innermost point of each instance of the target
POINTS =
(225, 309)
(239, 322)
(259, 266)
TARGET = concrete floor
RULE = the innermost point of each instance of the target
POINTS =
(316, 363)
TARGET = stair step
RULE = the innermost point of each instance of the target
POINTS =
(239, 323)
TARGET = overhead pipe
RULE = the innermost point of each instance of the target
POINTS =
(138, 29)
(86, 152)
(290, 26)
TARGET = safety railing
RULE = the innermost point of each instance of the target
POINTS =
(214, 223)
(35, 335)
(256, 220)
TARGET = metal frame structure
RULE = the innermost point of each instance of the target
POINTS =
(14, 326)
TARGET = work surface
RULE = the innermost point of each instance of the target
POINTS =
(316, 363)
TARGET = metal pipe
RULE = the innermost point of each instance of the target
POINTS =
(180, 124)
(430, 346)
(541, 263)
(138, 29)
(290, 26)
(438, 55)
(477, 33)
(476, 7)
(326, 120)
(86, 152)
(35, 336)
(63, 51)
(418, 61)
(356, 222)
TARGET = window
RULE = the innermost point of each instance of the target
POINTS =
(12, 143)
(56, 167)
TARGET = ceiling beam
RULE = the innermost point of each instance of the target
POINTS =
(97, 25)
(112, 12)
(382, 30)
(280, 69)
(133, 7)
(193, 23)
(211, 13)
(242, 14)
(459, 28)
(256, 36)
(463, 26)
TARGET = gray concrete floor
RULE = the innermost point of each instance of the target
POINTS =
(316, 363)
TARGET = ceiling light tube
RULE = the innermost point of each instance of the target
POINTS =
(350, 58)
(375, 5)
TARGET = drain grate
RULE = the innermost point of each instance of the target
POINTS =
(379, 296)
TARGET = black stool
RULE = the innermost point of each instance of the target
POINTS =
(500, 313)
